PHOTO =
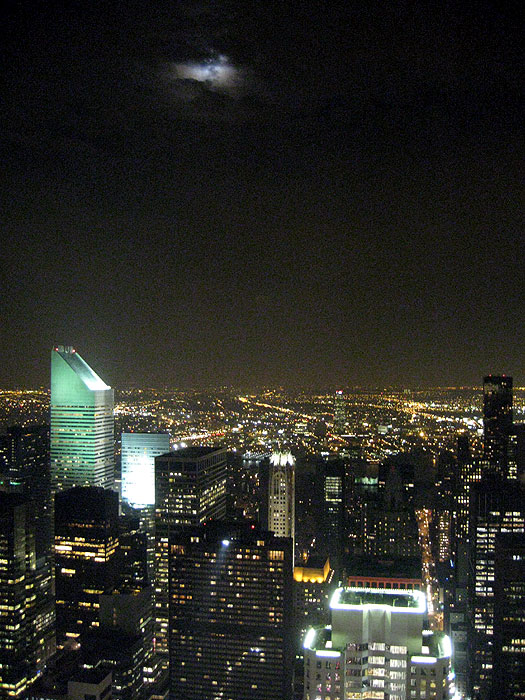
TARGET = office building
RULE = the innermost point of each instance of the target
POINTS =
(456, 616)
(26, 471)
(469, 473)
(86, 548)
(130, 614)
(509, 618)
(18, 645)
(332, 479)
(26, 466)
(66, 679)
(376, 647)
(138, 452)
(497, 420)
(231, 619)
(497, 506)
(133, 553)
(281, 495)
(389, 525)
(313, 586)
(82, 450)
(190, 488)
(516, 452)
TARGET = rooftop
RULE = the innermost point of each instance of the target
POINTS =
(398, 601)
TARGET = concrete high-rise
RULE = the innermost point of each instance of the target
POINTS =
(190, 489)
(230, 613)
(82, 450)
(497, 420)
(376, 647)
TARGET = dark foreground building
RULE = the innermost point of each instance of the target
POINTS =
(86, 548)
(509, 617)
(230, 631)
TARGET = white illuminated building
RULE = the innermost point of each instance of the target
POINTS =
(377, 647)
(281, 495)
(138, 466)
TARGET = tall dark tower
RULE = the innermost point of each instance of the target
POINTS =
(497, 420)
(86, 545)
(231, 615)
(190, 489)
(497, 507)
(26, 604)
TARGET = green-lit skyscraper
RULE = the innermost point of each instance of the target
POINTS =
(82, 452)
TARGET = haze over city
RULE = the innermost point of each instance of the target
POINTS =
(236, 193)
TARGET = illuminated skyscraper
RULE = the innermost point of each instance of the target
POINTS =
(230, 613)
(190, 489)
(281, 495)
(138, 466)
(497, 420)
(82, 452)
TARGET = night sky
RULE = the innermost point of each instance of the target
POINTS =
(204, 193)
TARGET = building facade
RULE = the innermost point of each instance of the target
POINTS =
(138, 452)
(82, 450)
(231, 620)
(509, 618)
(190, 488)
(86, 550)
(17, 564)
(497, 507)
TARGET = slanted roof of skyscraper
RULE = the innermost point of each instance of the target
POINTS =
(81, 368)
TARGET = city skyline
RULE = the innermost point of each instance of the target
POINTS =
(329, 385)
(235, 193)
(395, 506)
